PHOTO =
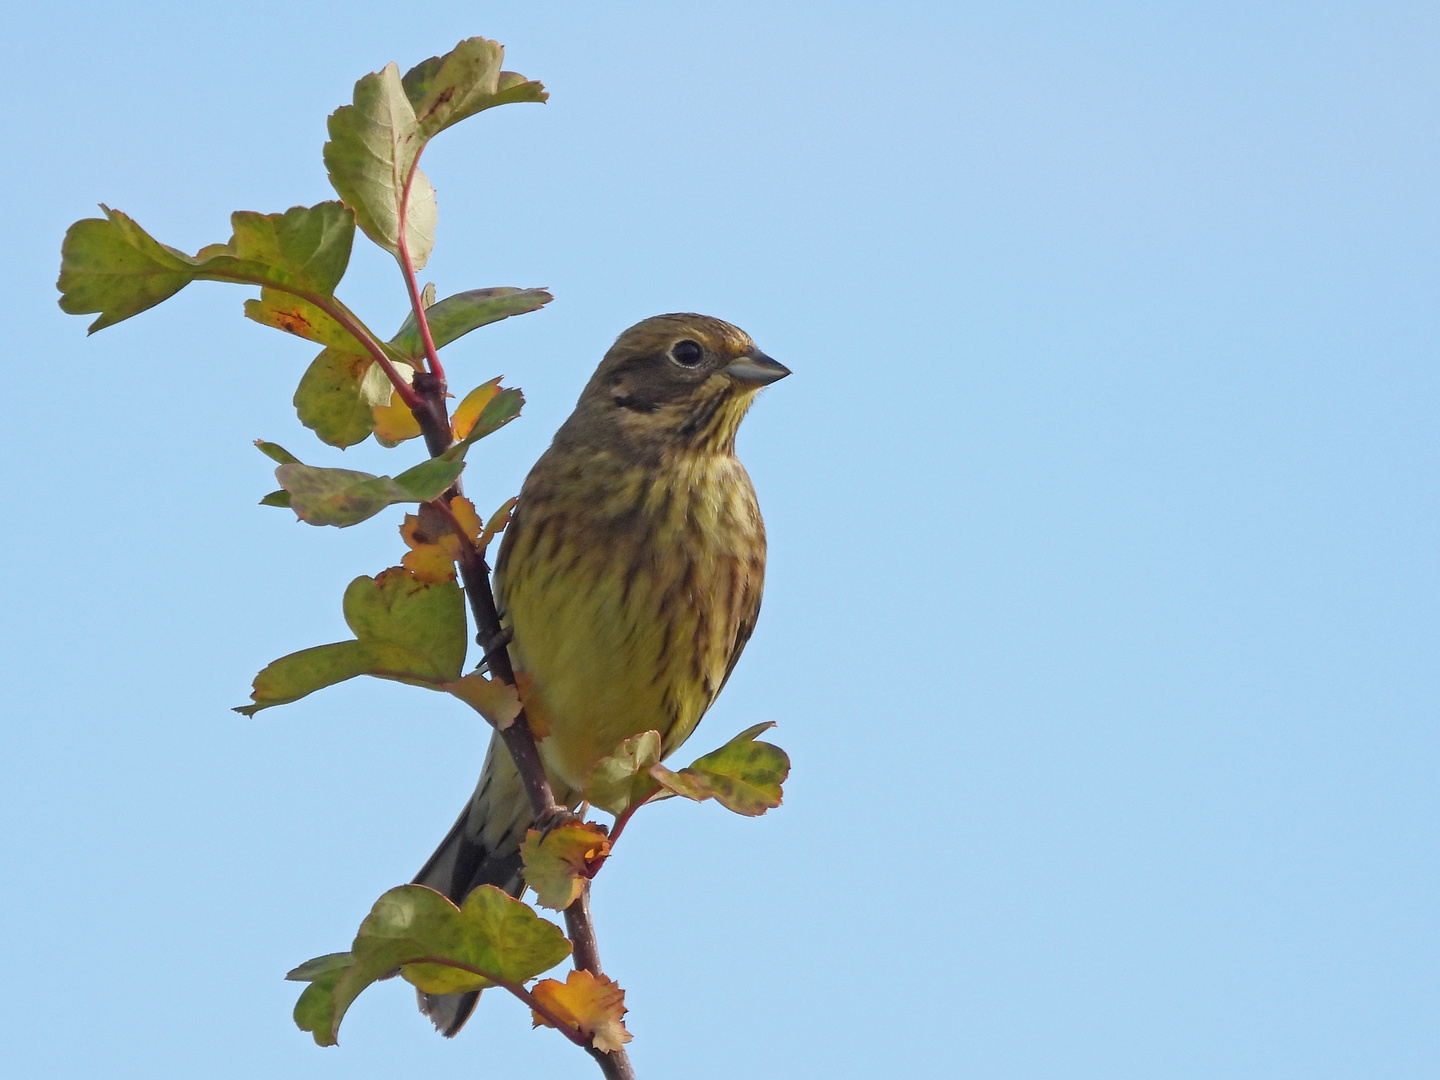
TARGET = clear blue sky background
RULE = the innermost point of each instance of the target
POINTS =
(1101, 620)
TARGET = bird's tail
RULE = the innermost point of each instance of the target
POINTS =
(483, 848)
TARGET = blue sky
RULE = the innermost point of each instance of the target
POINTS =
(1101, 614)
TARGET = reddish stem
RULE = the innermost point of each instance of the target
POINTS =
(407, 267)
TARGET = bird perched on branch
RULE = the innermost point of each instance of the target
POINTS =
(630, 578)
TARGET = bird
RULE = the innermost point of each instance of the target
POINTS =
(629, 580)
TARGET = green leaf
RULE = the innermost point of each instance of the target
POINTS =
(371, 156)
(743, 775)
(113, 267)
(304, 250)
(277, 498)
(331, 399)
(315, 1011)
(455, 316)
(446, 89)
(311, 970)
(491, 937)
(276, 452)
(344, 497)
(623, 780)
(405, 629)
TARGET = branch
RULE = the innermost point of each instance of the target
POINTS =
(434, 423)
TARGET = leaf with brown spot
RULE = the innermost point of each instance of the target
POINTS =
(290, 313)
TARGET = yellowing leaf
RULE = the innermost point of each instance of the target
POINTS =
(558, 863)
(496, 524)
(464, 511)
(469, 410)
(434, 546)
(394, 422)
(294, 315)
(495, 700)
(431, 562)
(594, 1004)
(443, 979)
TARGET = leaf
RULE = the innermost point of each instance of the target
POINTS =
(490, 938)
(394, 422)
(114, 267)
(304, 250)
(276, 452)
(594, 1004)
(432, 555)
(462, 421)
(493, 699)
(498, 411)
(332, 399)
(446, 89)
(315, 1011)
(287, 312)
(371, 157)
(406, 630)
(743, 775)
(455, 316)
(311, 970)
(558, 864)
(497, 523)
(622, 780)
(344, 497)
(435, 547)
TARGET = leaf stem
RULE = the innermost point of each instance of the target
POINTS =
(347, 320)
(407, 268)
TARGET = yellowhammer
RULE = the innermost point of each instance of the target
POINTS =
(630, 577)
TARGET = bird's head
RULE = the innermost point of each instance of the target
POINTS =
(682, 381)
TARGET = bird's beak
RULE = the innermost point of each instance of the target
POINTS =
(757, 369)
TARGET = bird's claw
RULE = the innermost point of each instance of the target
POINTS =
(554, 818)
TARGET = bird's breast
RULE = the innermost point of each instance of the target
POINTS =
(629, 592)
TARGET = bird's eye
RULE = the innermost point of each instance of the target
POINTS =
(687, 353)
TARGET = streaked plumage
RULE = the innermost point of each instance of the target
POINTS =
(631, 576)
